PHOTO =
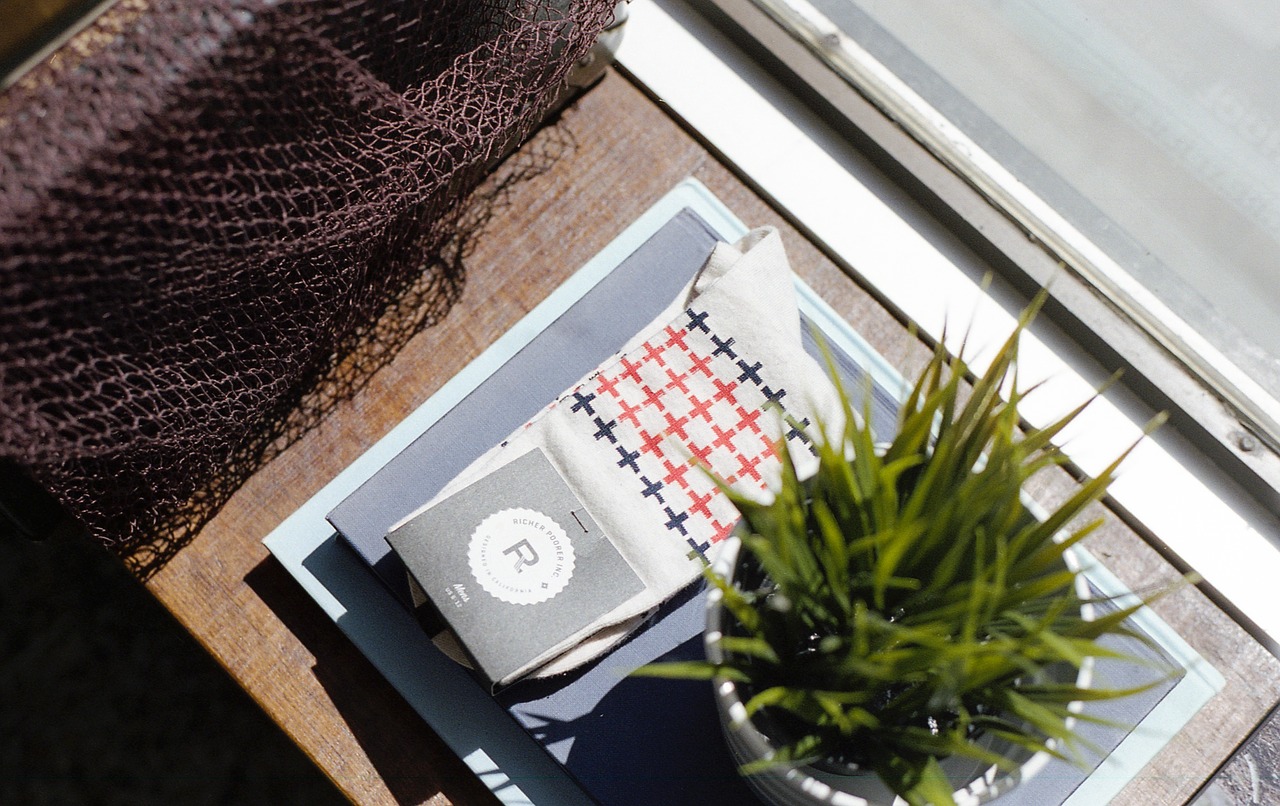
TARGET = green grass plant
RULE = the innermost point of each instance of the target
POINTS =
(904, 605)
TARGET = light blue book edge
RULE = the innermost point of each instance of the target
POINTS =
(501, 754)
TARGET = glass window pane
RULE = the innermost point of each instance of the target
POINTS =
(1152, 127)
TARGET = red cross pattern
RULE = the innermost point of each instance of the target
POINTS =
(651, 443)
(675, 338)
(677, 381)
(680, 408)
(675, 473)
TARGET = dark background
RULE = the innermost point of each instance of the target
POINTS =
(104, 699)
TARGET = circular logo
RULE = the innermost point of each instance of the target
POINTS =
(520, 556)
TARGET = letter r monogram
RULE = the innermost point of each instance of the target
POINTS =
(524, 554)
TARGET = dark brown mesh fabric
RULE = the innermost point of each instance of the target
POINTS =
(223, 218)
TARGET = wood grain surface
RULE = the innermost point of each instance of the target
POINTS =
(620, 153)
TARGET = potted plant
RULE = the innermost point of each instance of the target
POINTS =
(901, 623)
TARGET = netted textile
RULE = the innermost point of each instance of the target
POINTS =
(225, 215)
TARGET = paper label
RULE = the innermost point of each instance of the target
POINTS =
(515, 565)
(521, 556)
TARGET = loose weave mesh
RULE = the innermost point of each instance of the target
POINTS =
(222, 219)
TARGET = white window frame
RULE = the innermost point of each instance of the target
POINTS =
(1191, 508)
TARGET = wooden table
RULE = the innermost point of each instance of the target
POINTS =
(620, 154)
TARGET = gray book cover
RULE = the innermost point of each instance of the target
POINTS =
(515, 566)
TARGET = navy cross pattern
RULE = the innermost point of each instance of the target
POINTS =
(697, 321)
(583, 402)
(799, 430)
(605, 430)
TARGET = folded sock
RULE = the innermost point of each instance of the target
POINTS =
(712, 387)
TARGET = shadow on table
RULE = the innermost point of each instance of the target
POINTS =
(408, 756)
(105, 699)
(674, 751)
